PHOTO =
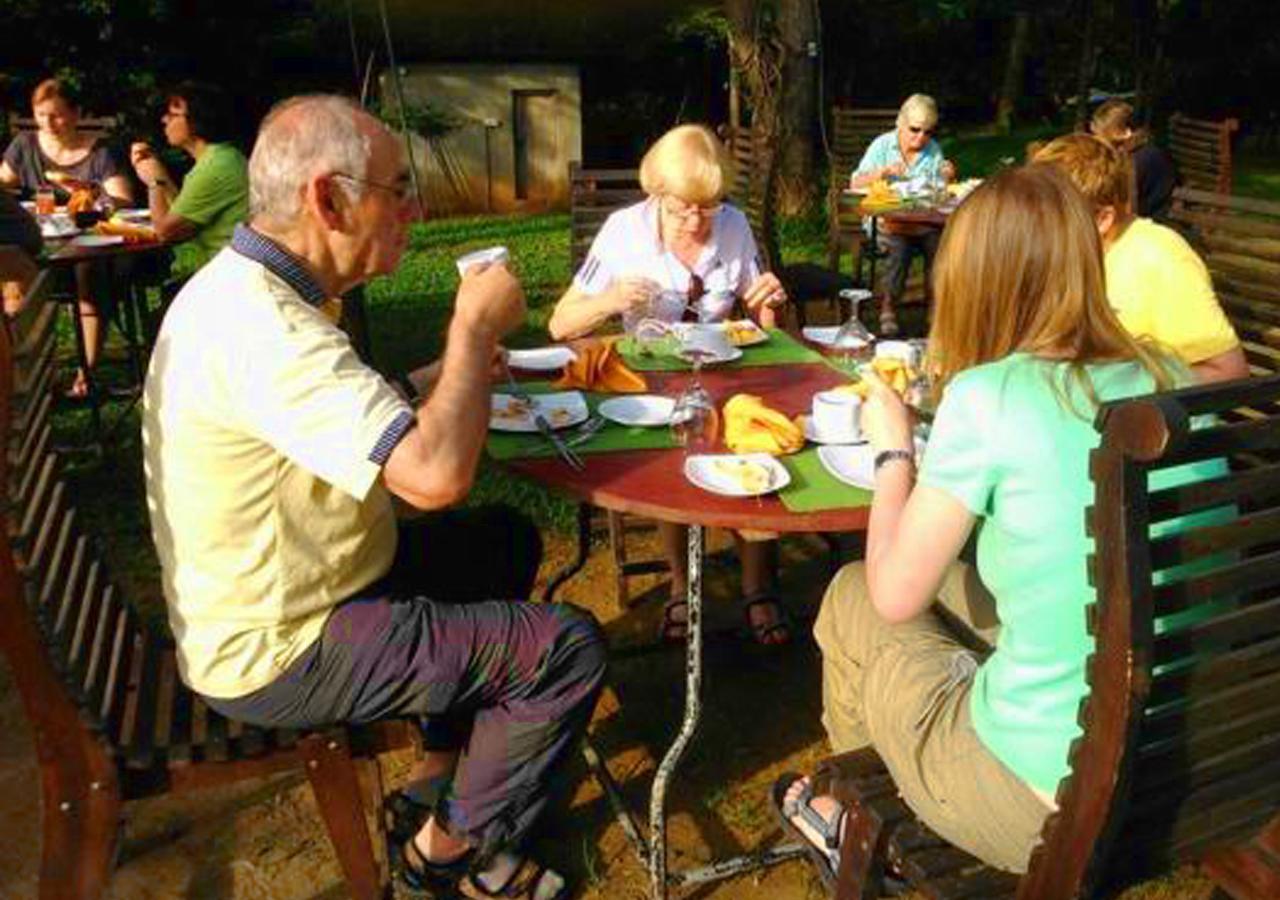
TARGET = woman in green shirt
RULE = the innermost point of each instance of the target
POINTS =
(1023, 348)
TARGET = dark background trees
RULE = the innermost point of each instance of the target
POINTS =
(647, 64)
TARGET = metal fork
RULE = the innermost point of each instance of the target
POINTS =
(571, 459)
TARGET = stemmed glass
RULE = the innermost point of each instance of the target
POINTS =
(853, 343)
(695, 421)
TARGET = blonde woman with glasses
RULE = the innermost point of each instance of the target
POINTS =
(909, 152)
(683, 253)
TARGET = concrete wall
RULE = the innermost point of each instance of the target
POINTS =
(552, 123)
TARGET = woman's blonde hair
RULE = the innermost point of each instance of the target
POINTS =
(1110, 118)
(688, 162)
(921, 105)
(1100, 171)
(1020, 268)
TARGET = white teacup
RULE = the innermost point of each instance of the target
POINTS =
(709, 341)
(836, 415)
(487, 256)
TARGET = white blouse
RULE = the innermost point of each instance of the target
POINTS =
(628, 245)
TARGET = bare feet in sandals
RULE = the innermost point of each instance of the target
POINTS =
(769, 624)
(674, 626)
(79, 387)
(819, 821)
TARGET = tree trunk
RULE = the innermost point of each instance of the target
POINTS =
(798, 113)
(1011, 87)
(1084, 74)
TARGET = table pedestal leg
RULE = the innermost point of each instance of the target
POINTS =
(692, 712)
(584, 549)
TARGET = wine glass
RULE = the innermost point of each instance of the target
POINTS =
(695, 421)
(853, 344)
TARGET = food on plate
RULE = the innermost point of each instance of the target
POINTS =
(895, 372)
(750, 476)
(742, 332)
(879, 193)
(512, 409)
(81, 201)
(559, 416)
(132, 234)
(962, 189)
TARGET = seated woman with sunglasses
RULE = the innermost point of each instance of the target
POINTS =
(682, 253)
(908, 152)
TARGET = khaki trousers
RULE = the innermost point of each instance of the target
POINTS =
(904, 689)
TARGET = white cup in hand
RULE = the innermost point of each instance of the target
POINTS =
(486, 257)
(837, 415)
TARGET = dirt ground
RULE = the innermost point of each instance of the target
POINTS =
(263, 840)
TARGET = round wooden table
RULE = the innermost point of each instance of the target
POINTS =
(651, 483)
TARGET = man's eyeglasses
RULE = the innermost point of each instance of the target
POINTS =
(402, 189)
(688, 211)
(173, 114)
(920, 129)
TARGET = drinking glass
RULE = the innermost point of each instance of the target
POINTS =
(695, 421)
(46, 202)
(853, 344)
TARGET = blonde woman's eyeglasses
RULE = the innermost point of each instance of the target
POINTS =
(681, 210)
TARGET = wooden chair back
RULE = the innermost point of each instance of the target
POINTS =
(112, 719)
(752, 190)
(1181, 751)
(1202, 150)
(594, 194)
(852, 131)
(96, 126)
(1239, 240)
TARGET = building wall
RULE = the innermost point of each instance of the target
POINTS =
(550, 98)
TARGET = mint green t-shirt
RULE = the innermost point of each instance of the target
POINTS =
(1006, 446)
(215, 198)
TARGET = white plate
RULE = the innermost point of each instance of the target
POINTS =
(713, 473)
(134, 216)
(97, 240)
(734, 353)
(756, 335)
(648, 410)
(541, 359)
(812, 434)
(560, 410)
(824, 335)
(855, 464)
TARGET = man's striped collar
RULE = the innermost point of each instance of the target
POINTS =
(279, 262)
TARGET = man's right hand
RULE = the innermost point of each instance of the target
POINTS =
(490, 300)
(632, 293)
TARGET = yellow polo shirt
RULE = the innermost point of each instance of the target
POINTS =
(1160, 288)
(266, 507)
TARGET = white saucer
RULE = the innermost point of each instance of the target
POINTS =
(734, 353)
(824, 335)
(648, 410)
(541, 359)
(705, 471)
(855, 464)
(815, 436)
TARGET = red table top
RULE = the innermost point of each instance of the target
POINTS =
(651, 483)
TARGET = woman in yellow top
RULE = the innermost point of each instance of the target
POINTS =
(685, 248)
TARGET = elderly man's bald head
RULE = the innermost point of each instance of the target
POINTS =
(303, 137)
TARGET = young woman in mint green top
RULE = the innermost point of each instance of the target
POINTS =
(1023, 348)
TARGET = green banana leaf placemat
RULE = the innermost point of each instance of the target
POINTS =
(813, 488)
(517, 445)
(781, 349)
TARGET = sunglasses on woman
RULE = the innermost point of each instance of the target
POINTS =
(920, 129)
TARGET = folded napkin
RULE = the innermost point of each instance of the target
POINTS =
(600, 368)
(752, 427)
(132, 234)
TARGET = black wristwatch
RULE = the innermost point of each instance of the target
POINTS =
(885, 456)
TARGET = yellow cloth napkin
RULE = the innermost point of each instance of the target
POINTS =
(600, 368)
(132, 234)
(752, 427)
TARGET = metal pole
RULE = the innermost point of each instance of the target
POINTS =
(692, 712)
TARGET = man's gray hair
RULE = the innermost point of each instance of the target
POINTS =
(300, 138)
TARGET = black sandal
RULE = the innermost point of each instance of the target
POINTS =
(763, 632)
(670, 629)
(405, 816)
(525, 879)
(825, 858)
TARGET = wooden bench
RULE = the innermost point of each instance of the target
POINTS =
(95, 126)
(1239, 240)
(852, 131)
(1202, 151)
(753, 190)
(112, 720)
(1180, 752)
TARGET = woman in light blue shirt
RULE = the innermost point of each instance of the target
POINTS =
(909, 152)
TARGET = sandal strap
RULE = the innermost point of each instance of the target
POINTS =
(421, 873)
(829, 828)
(528, 881)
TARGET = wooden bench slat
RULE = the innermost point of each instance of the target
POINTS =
(116, 686)
(1218, 673)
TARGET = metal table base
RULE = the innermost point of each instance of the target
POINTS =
(653, 852)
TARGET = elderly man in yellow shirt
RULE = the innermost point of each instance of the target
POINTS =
(272, 453)
(1156, 283)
